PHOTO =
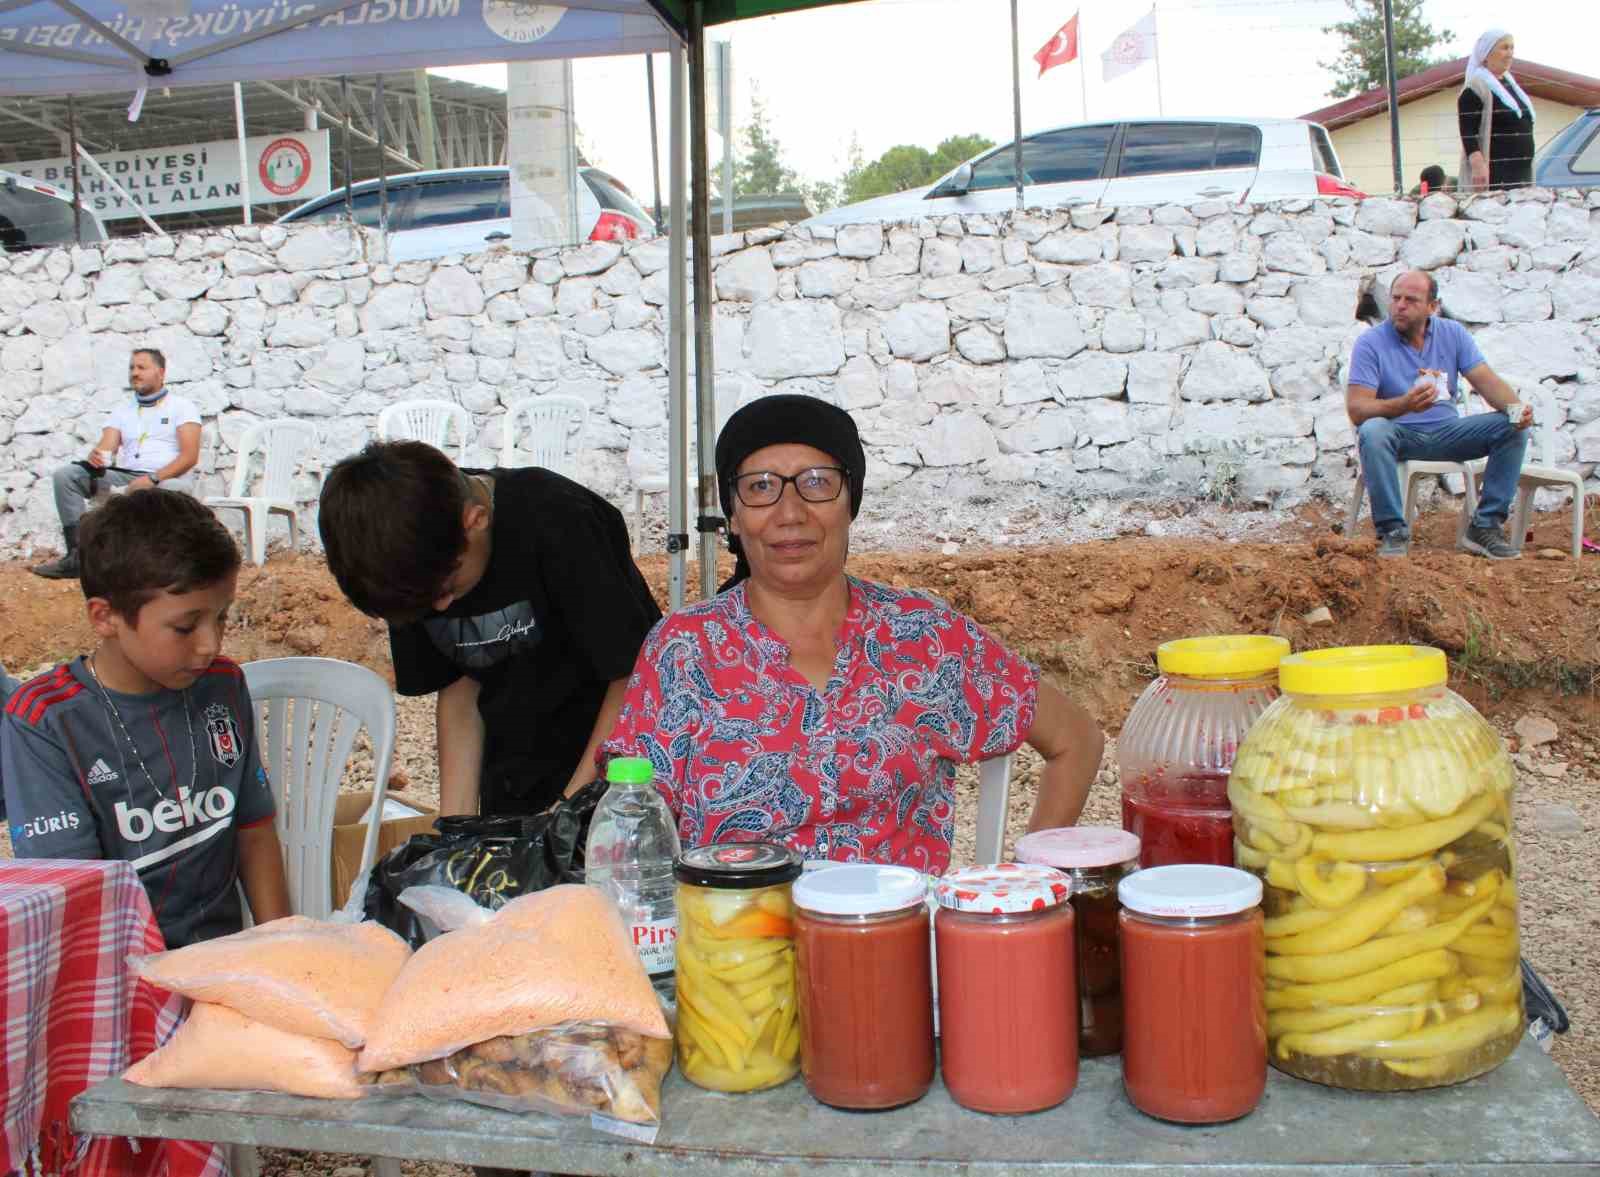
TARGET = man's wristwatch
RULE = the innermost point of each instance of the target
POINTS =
(154, 481)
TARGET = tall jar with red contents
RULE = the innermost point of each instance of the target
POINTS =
(1008, 1010)
(1177, 747)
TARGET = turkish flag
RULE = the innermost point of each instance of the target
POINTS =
(1061, 48)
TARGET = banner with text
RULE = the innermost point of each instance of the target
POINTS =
(196, 176)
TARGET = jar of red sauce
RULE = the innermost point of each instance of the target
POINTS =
(1194, 1043)
(1177, 746)
(865, 985)
(1007, 987)
(1096, 859)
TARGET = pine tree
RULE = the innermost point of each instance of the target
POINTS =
(759, 169)
(1360, 65)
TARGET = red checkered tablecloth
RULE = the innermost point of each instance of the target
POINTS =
(72, 1013)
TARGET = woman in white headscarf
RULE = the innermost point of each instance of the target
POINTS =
(1496, 119)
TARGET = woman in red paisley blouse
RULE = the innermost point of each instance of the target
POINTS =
(807, 706)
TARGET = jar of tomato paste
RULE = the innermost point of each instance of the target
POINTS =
(1005, 950)
(865, 986)
(1096, 859)
(1194, 1042)
(1177, 746)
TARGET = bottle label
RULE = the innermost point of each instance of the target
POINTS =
(655, 941)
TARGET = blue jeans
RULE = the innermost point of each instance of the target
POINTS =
(1385, 444)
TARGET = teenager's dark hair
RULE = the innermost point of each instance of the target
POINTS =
(146, 542)
(155, 354)
(1433, 177)
(391, 527)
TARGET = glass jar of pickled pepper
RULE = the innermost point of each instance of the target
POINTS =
(1178, 744)
(1007, 987)
(1375, 804)
(1096, 859)
(738, 1018)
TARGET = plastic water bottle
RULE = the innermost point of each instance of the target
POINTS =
(632, 844)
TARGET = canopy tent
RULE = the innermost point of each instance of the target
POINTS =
(89, 46)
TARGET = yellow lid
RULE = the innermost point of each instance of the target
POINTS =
(1363, 670)
(1238, 655)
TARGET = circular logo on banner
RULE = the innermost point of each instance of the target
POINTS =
(285, 167)
(519, 20)
(1128, 49)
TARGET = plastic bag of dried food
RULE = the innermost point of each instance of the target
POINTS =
(305, 976)
(442, 909)
(217, 1047)
(560, 955)
(577, 1068)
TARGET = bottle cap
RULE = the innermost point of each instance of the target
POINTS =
(1078, 847)
(1189, 891)
(738, 865)
(629, 770)
(997, 890)
(1363, 670)
(860, 888)
(1239, 655)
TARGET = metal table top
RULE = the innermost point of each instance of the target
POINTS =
(1521, 1118)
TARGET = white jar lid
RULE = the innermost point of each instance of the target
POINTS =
(1190, 890)
(860, 888)
(1079, 847)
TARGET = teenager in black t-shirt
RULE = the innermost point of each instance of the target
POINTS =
(511, 593)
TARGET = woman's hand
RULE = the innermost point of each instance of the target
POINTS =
(1071, 743)
(1479, 168)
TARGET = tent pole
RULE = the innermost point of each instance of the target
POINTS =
(120, 191)
(1016, 105)
(72, 149)
(655, 150)
(344, 115)
(244, 156)
(677, 339)
(709, 523)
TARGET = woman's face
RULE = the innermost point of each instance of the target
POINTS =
(793, 546)
(1499, 59)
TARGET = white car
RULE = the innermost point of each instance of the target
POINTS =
(468, 210)
(35, 215)
(1144, 161)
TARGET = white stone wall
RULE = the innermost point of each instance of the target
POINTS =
(1005, 372)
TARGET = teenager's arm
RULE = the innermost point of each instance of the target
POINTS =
(459, 730)
(610, 708)
(266, 888)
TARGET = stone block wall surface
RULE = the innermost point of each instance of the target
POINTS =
(1007, 372)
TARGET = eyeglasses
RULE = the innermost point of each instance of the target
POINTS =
(820, 484)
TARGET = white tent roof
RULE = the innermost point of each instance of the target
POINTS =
(67, 46)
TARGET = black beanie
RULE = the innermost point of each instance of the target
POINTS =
(786, 419)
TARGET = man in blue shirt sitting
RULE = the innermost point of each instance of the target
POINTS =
(1401, 416)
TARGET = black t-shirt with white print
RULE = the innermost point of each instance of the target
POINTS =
(75, 788)
(560, 613)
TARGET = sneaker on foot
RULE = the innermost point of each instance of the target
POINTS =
(1394, 543)
(1490, 542)
(66, 568)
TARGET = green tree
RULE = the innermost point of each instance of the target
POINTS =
(1360, 64)
(759, 168)
(908, 166)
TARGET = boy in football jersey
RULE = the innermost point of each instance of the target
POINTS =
(145, 749)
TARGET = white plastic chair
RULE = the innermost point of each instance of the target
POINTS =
(283, 444)
(309, 713)
(657, 481)
(994, 799)
(1410, 472)
(549, 429)
(429, 421)
(1545, 473)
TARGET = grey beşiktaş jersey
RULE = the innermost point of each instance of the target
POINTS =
(74, 788)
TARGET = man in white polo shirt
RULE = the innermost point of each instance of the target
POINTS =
(149, 439)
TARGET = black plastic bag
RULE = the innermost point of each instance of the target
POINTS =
(491, 859)
(1546, 1014)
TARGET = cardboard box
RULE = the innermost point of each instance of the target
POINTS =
(350, 833)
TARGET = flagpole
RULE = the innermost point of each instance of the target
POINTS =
(1083, 69)
(1156, 36)
(1016, 102)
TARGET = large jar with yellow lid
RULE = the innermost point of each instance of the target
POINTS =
(1178, 744)
(1375, 804)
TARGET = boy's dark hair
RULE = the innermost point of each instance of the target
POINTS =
(155, 354)
(146, 542)
(1433, 177)
(391, 526)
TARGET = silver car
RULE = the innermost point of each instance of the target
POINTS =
(1572, 157)
(1144, 161)
(468, 210)
(34, 215)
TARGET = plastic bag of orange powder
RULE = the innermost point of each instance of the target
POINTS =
(219, 1048)
(304, 976)
(555, 956)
